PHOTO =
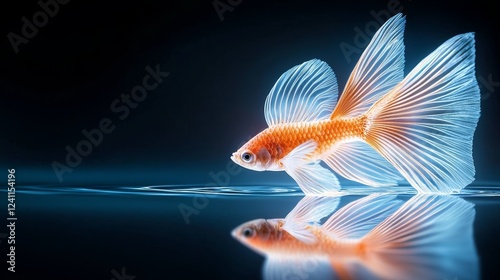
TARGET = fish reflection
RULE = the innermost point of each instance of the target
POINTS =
(375, 237)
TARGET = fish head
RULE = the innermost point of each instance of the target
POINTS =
(258, 154)
(259, 235)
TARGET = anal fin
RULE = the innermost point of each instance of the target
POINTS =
(359, 162)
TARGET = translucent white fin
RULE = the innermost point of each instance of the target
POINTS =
(309, 210)
(302, 267)
(359, 162)
(378, 70)
(312, 178)
(306, 92)
(425, 126)
(429, 237)
(359, 217)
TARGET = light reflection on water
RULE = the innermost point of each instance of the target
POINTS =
(156, 209)
(479, 190)
(374, 237)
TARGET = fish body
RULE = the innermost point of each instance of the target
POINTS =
(375, 237)
(384, 127)
(279, 140)
(280, 242)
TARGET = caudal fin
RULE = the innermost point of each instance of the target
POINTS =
(425, 125)
(429, 237)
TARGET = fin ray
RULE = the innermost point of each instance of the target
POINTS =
(359, 162)
(425, 126)
(429, 237)
(310, 209)
(378, 70)
(312, 178)
(306, 92)
(359, 217)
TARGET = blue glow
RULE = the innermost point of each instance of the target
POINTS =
(478, 190)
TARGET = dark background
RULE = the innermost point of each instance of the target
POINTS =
(66, 77)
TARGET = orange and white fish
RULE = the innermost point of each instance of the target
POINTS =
(383, 126)
(428, 237)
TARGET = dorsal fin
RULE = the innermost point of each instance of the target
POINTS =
(306, 92)
(378, 70)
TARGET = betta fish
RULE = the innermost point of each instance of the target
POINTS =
(375, 237)
(384, 127)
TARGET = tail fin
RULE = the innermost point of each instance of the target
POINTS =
(429, 237)
(425, 125)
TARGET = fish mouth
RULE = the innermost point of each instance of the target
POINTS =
(233, 157)
(234, 234)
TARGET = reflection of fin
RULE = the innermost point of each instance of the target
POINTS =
(311, 209)
(378, 70)
(425, 125)
(359, 162)
(312, 178)
(342, 270)
(279, 268)
(306, 92)
(359, 217)
(429, 237)
(352, 271)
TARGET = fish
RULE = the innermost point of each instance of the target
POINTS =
(384, 129)
(430, 236)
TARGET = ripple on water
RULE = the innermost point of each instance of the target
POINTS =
(483, 190)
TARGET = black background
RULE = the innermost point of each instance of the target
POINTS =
(66, 77)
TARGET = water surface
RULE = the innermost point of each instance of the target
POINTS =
(93, 232)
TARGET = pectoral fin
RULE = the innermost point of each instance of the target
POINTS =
(312, 178)
(310, 210)
(279, 267)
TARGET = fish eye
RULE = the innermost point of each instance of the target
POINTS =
(248, 232)
(247, 157)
